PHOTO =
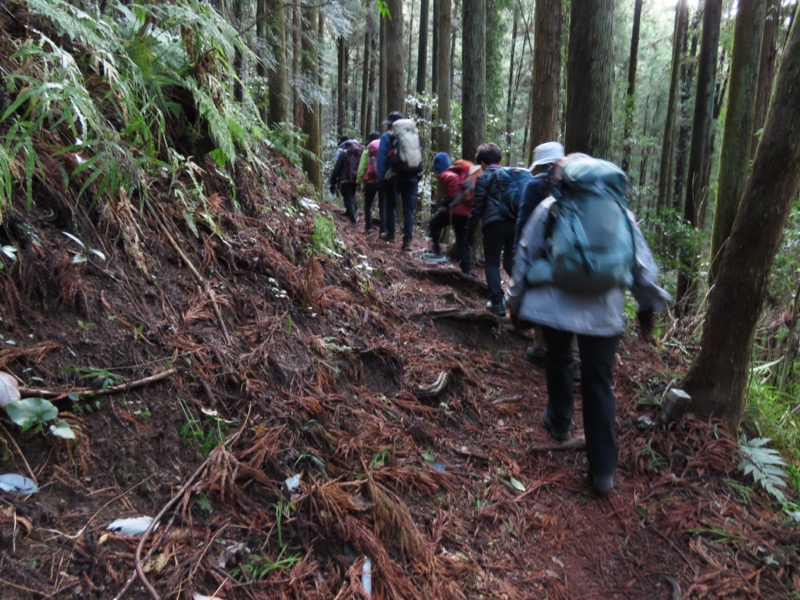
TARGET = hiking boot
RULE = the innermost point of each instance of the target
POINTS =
(561, 436)
(576, 374)
(602, 483)
(407, 246)
(496, 308)
(537, 357)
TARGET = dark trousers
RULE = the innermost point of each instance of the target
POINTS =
(599, 407)
(370, 190)
(439, 222)
(407, 190)
(349, 196)
(498, 239)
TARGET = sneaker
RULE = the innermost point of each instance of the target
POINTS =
(407, 246)
(537, 357)
(561, 436)
(497, 309)
(384, 236)
(602, 483)
(368, 230)
(576, 375)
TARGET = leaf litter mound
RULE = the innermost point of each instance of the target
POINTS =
(263, 413)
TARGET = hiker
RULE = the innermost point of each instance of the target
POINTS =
(399, 163)
(348, 155)
(595, 314)
(368, 176)
(540, 187)
(493, 207)
(456, 183)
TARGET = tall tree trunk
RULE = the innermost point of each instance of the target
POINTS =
(395, 86)
(590, 78)
(277, 79)
(687, 82)
(341, 85)
(473, 73)
(297, 97)
(546, 79)
(630, 95)
(410, 70)
(453, 39)
(509, 108)
(365, 80)
(766, 68)
(735, 152)
(699, 150)
(310, 109)
(435, 48)
(717, 380)
(261, 65)
(383, 102)
(238, 56)
(665, 171)
(444, 27)
(422, 55)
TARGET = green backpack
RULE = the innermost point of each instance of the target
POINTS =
(589, 246)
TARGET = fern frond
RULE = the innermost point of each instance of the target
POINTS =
(765, 466)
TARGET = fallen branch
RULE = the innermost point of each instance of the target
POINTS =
(92, 393)
(448, 272)
(433, 390)
(462, 315)
(200, 279)
(576, 443)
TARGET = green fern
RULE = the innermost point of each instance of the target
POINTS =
(765, 465)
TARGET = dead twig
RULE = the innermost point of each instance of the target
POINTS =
(200, 279)
(433, 390)
(576, 443)
(113, 389)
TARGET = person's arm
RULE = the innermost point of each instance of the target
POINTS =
(362, 166)
(383, 156)
(529, 202)
(337, 169)
(649, 296)
(479, 202)
(530, 247)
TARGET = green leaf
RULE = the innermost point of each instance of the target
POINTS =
(516, 484)
(62, 430)
(31, 411)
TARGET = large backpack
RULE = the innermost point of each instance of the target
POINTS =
(371, 174)
(468, 173)
(590, 245)
(511, 182)
(405, 154)
(352, 158)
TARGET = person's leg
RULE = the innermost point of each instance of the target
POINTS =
(560, 385)
(382, 209)
(391, 209)
(370, 189)
(599, 409)
(508, 246)
(437, 224)
(492, 247)
(464, 251)
(408, 190)
(349, 195)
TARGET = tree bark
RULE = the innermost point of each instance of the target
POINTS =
(238, 56)
(422, 55)
(717, 380)
(630, 95)
(435, 48)
(366, 71)
(546, 77)
(261, 65)
(297, 34)
(277, 79)
(699, 147)
(395, 86)
(410, 70)
(341, 86)
(687, 78)
(735, 152)
(473, 73)
(665, 171)
(590, 78)
(510, 95)
(310, 109)
(444, 27)
(383, 103)
(766, 69)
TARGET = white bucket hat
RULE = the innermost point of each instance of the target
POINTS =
(547, 153)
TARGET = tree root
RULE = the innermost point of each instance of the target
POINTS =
(114, 389)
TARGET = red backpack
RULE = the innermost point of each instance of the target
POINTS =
(371, 174)
(468, 172)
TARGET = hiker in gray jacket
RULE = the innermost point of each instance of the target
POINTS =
(598, 321)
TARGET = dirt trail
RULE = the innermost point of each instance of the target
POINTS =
(408, 411)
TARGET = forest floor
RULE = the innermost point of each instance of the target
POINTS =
(408, 411)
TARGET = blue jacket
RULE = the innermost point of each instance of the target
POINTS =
(599, 314)
(537, 190)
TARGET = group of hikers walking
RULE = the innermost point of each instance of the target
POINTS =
(561, 230)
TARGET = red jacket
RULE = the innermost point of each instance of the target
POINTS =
(450, 185)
